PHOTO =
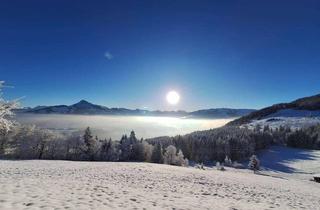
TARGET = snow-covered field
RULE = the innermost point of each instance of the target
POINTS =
(292, 122)
(35, 184)
(290, 163)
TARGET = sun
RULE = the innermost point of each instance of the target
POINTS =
(173, 97)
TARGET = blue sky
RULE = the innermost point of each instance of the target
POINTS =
(239, 54)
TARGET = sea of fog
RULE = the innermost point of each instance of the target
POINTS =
(115, 126)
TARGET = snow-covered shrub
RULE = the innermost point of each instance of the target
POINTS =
(200, 166)
(254, 163)
(235, 164)
(227, 161)
(220, 166)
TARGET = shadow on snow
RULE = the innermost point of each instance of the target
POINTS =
(277, 158)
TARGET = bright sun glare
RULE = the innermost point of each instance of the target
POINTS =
(173, 97)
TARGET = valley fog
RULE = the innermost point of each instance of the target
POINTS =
(115, 126)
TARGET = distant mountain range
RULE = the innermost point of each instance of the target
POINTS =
(87, 108)
(303, 107)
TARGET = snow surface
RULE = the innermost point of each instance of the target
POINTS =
(35, 184)
(289, 162)
(292, 122)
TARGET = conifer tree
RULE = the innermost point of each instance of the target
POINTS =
(90, 144)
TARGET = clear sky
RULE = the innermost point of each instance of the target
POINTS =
(238, 54)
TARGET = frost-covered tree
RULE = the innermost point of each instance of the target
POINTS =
(5, 111)
(43, 138)
(137, 153)
(5, 123)
(214, 145)
(147, 149)
(170, 155)
(180, 160)
(90, 144)
(132, 138)
(109, 150)
(254, 163)
(30, 142)
(74, 145)
(131, 148)
(157, 154)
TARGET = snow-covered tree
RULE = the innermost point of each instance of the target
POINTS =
(90, 143)
(170, 155)
(157, 154)
(137, 153)
(109, 150)
(31, 142)
(74, 145)
(148, 149)
(125, 148)
(254, 163)
(180, 160)
(5, 112)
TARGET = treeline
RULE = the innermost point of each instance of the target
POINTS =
(30, 142)
(217, 144)
(232, 143)
(238, 143)
(308, 138)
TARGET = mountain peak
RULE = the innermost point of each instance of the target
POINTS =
(83, 102)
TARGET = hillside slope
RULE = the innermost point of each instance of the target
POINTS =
(309, 104)
(107, 185)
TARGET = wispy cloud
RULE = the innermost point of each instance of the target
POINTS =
(108, 56)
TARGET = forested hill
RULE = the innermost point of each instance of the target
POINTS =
(303, 107)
